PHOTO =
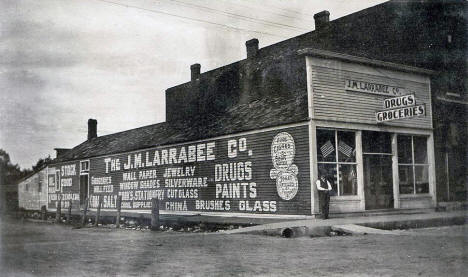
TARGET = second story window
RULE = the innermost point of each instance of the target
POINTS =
(84, 167)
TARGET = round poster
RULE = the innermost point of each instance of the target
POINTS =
(283, 150)
(287, 185)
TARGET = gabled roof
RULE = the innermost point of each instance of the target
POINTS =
(258, 114)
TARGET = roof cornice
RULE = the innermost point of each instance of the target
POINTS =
(361, 60)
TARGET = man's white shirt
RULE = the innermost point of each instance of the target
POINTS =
(319, 187)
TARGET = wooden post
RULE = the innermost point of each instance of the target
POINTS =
(43, 212)
(98, 211)
(154, 214)
(119, 208)
(69, 211)
(85, 210)
(58, 213)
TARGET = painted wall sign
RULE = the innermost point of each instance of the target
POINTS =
(400, 101)
(374, 88)
(223, 175)
(63, 180)
(283, 151)
(400, 113)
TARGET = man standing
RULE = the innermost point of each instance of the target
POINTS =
(324, 187)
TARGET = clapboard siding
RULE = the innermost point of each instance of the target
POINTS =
(261, 158)
(331, 101)
(32, 191)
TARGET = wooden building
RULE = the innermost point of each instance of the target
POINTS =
(32, 191)
(376, 99)
(367, 123)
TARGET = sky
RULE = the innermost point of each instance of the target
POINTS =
(65, 61)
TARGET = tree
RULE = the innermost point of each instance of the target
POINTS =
(10, 174)
(41, 163)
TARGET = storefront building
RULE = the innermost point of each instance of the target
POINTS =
(371, 132)
(367, 125)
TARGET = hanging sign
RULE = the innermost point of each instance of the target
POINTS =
(374, 88)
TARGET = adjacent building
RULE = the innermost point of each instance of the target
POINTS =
(33, 191)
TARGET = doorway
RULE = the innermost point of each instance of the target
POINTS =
(84, 187)
(378, 181)
(378, 177)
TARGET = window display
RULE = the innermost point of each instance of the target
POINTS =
(336, 155)
(413, 167)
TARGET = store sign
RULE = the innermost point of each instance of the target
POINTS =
(400, 101)
(374, 88)
(63, 182)
(400, 113)
(255, 173)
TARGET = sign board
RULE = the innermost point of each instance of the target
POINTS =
(265, 173)
(400, 101)
(374, 88)
(400, 113)
(63, 180)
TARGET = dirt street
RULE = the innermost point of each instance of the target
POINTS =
(39, 249)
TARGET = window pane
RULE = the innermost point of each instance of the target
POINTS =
(376, 142)
(420, 150)
(346, 147)
(326, 146)
(330, 173)
(422, 178)
(406, 179)
(405, 155)
(348, 179)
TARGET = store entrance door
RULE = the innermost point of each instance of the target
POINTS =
(378, 181)
(378, 177)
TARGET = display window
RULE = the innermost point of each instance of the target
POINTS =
(336, 156)
(413, 167)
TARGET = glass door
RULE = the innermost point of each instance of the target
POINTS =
(378, 177)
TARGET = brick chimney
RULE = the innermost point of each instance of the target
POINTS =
(321, 20)
(195, 71)
(92, 128)
(252, 47)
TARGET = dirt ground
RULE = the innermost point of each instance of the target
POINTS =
(40, 249)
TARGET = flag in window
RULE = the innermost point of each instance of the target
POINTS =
(344, 148)
(327, 149)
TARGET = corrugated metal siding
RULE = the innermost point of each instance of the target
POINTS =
(260, 144)
(333, 102)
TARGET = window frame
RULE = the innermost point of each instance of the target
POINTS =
(337, 162)
(413, 164)
(58, 186)
(84, 171)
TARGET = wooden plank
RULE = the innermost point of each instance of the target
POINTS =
(155, 214)
(361, 230)
(58, 212)
(119, 209)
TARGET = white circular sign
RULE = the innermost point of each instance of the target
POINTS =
(283, 150)
(287, 185)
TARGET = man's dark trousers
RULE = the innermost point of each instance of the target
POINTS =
(324, 196)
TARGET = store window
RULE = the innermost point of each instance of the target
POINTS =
(336, 155)
(413, 167)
